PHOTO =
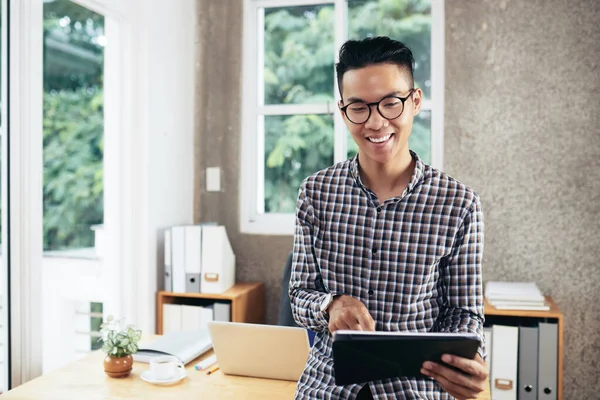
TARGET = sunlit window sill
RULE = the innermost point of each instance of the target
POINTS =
(87, 253)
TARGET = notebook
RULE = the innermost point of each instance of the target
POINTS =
(262, 351)
(360, 356)
(186, 346)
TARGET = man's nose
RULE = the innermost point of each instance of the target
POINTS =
(376, 120)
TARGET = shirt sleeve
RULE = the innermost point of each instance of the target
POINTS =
(305, 295)
(462, 292)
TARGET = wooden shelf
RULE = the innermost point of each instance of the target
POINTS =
(247, 302)
(493, 314)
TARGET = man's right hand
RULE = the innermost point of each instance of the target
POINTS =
(346, 312)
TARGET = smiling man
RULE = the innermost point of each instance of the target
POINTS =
(384, 241)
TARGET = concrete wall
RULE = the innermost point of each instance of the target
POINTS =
(521, 127)
(218, 91)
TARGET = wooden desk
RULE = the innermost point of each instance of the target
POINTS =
(85, 379)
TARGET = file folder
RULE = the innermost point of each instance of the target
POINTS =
(528, 363)
(172, 314)
(487, 334)
(193, 258)
(178, 258)
(504, 362)
(218, 260)
(168, 262)
(547, 361)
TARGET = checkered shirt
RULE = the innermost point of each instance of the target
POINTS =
(413, 260)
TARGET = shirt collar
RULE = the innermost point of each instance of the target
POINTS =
(415, 179)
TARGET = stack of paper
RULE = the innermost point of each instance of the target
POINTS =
(515, 296)
(186, 346)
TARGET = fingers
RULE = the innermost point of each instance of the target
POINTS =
(350, 321)
(460, 384)
(457, 391)
(455, 377)
(476, 368)
(351, 314)
(338, 324)
(366, 321)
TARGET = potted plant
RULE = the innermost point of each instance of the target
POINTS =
(118, 345)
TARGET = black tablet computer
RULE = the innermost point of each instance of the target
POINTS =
(368, 356)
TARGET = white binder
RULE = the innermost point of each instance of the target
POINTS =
(172, 314)
(505, 353)
(191, 318)
(178, 258)
(218, 260)
(168, 262)
(487, 333)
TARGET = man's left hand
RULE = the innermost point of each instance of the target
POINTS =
(464, 384)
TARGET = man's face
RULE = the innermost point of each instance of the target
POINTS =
(379, 139)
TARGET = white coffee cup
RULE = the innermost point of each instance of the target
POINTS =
(165, 367)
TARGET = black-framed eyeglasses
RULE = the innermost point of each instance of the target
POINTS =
(390, 107)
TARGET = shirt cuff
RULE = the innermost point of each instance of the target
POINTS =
(482, 353)
(321, 317)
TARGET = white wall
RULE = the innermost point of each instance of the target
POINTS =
(164, 69)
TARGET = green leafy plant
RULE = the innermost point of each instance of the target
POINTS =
(118, 341)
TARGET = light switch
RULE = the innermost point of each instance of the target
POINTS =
(213, 179)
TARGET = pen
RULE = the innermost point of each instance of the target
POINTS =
(213, 369)
(204, 364)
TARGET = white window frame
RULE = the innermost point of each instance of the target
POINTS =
(24, 253)
(148, 158)
(252, 129)
(5, 286)
(26, 171)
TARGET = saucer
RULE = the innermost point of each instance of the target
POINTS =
(148, 377)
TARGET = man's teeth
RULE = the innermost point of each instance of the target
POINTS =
(380, 139)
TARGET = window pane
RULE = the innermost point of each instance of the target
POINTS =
(96, 319)
(295, 147)
(419, 140)
(407, 21)
(73, 124)
(299, 55)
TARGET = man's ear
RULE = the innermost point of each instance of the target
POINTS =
(340, 105)
(417, 97)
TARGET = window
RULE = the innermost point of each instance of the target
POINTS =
(73, 125)
(4, 322)
(291, 124)
(73, 186)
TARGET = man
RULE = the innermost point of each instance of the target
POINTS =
(385, 242)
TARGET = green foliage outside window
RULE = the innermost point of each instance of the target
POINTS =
(73, 125)
(299, 69)
(73, 173)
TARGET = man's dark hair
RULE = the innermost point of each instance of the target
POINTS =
(375, 50)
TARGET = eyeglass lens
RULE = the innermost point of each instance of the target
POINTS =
(389, 108)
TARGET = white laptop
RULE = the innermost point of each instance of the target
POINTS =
(263, 351)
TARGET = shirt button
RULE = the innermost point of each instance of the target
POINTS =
(374, 250)
(370, 292)
(379, 209)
